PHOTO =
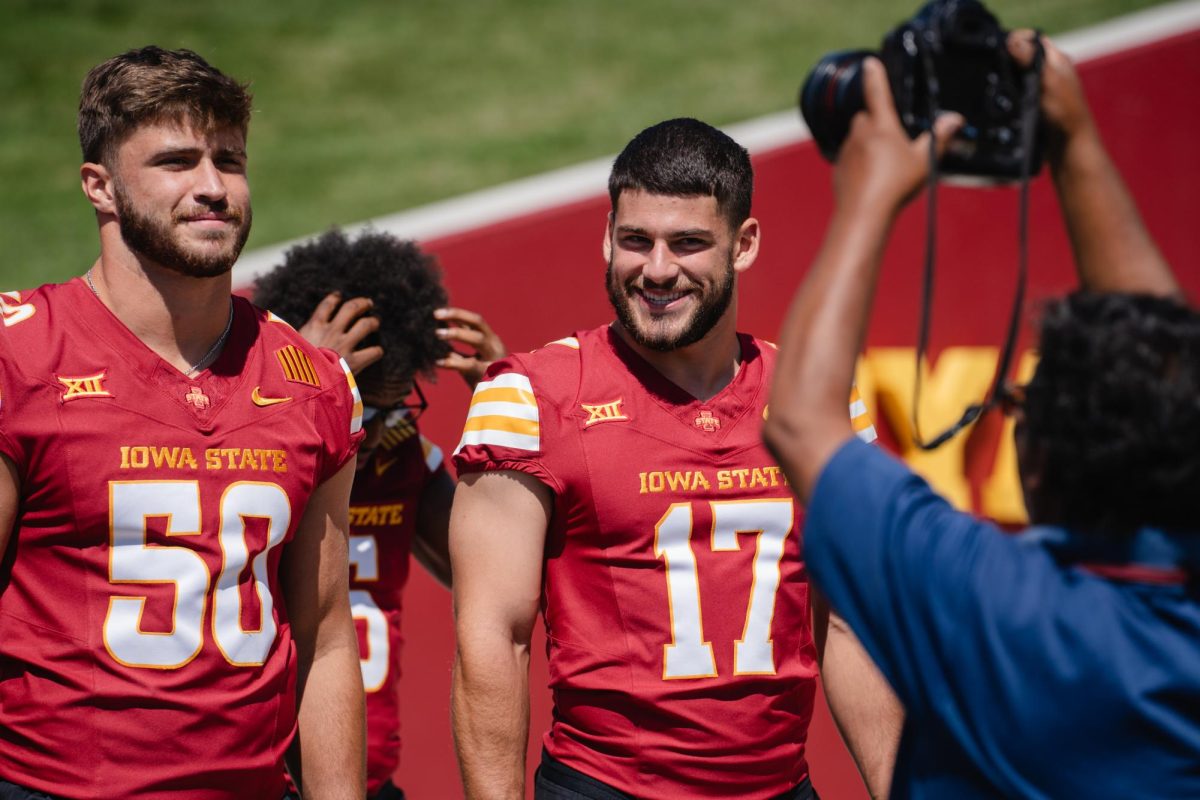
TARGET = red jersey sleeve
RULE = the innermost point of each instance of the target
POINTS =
(8, 397)
(340, 417)
(507, 425)
(14, 310)
(860, 420)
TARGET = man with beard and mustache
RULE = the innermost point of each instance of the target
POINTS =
(617, 480)
(176, 468)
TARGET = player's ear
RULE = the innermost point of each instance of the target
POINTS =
(608, 230)
(97, 183)
(745, 246)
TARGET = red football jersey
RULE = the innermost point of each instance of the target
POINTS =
(145, 651)
(383, 516)
(675, 598)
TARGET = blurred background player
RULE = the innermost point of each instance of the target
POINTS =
(1059, 663)
(176, 472)
(617, 479)
(379, 302)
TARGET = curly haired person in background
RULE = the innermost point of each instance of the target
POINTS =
(379, 302)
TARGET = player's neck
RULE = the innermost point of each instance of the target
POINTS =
(178, 317)
(702, 369)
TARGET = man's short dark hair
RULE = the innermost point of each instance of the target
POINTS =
(152, 85)
(1113, 413)
(686, 158)
(404, 284)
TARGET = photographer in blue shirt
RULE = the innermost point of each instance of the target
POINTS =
(1064, 662)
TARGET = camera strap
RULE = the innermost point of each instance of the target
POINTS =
(1030, 102)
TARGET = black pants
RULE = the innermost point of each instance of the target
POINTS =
(10, 791)
(389, 791)
(554, 780)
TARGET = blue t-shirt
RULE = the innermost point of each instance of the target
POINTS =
(1021, 676)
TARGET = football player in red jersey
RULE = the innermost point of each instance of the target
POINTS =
(392, 328)
(174, 613)
(616, 480)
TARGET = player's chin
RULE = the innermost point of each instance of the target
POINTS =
(659, 333)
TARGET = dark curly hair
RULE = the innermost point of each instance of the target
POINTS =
(1113, 413)
(404, 284)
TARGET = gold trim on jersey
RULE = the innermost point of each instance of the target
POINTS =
(297, 367)
(603, 412)
(84, 386)
(12, 314)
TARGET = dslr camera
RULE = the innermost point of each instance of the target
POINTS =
(951, 56)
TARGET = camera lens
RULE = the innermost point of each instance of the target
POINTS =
(830, 97)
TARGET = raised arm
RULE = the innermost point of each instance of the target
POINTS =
(328, 759)
(341, 327)
(497, 539)
(878, 170)
(1113, 250)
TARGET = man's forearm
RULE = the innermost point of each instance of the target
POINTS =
(867, 712)
(490, 715)
(331, 742)
(1113, 250)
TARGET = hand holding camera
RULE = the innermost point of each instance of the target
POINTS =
(951, 56)
(879, 167)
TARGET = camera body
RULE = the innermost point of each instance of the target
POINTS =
(950, 56)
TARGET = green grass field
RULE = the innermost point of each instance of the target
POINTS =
(368, 107)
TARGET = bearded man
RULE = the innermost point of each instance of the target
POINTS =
(174, 610)
(616, 479)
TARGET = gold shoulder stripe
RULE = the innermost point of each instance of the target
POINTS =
(273, 317)
(297, 367)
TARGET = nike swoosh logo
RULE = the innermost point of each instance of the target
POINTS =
(259, 400)
(382, 466)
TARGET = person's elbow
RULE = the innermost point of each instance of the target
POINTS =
(802, 443)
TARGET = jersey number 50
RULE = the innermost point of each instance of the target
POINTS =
(132, 560)
(689, 655)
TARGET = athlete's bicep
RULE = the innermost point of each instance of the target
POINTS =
(10, 494)
(498, 529)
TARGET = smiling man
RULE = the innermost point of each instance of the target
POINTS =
(616, 479)
(176, 466)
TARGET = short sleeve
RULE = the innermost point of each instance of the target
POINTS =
(903, 568)
(9, 394)
(504, 429)
(339, 417)
(860, 420)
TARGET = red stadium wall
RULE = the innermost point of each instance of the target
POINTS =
(539, 277)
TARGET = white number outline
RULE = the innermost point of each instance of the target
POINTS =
(377, 664)
(689, 655)
(179, 503)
